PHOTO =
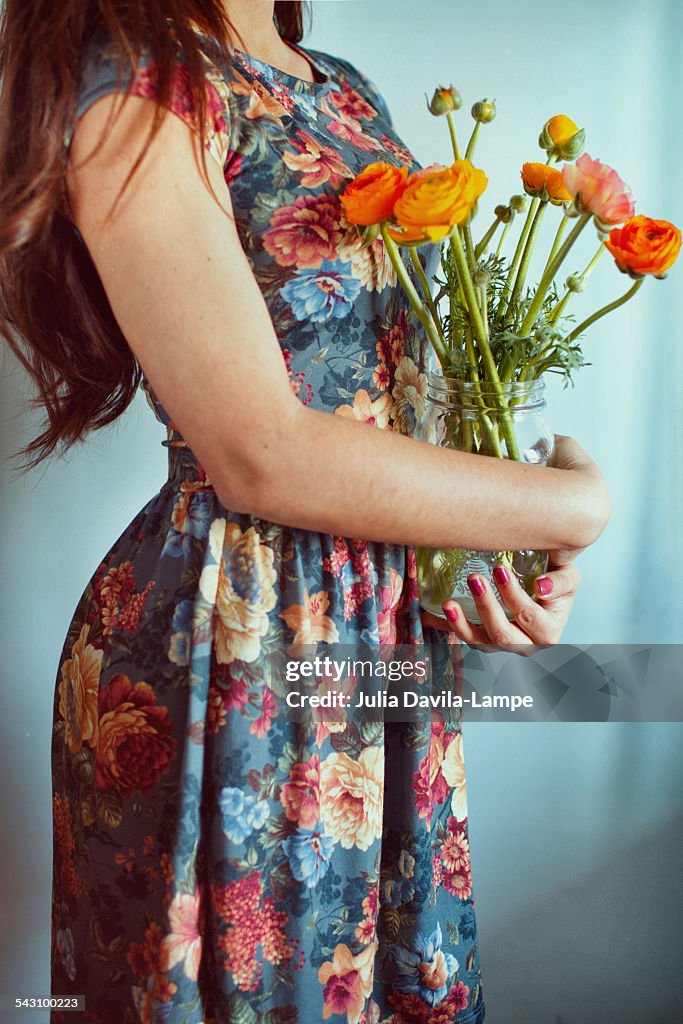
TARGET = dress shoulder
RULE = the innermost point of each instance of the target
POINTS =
(357, 80)
(104, 70)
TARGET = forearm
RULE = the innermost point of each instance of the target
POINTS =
(328, 474)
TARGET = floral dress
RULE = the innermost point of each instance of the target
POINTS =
(215, 861)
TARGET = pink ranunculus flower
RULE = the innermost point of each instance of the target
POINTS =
(599, 190)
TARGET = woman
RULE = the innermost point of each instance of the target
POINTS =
(213, 860)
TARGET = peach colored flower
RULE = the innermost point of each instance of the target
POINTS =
(366, 410)
(317, 163)
(352, 796)
(645, 246)
(598, 189)
(261, 102)
(409, 392)
(78, 692)
(370, 264)
(453, 771)
(185, 941)
(241, 583)
(308, 620)
(348, 981)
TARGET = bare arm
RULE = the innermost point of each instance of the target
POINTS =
(188, 303)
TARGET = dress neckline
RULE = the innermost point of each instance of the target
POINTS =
(284, 77)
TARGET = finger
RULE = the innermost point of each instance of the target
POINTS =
(529, 615)
(562, 581)
(436, 622)
(500, 631)
(467, 632)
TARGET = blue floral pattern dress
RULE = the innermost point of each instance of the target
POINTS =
(214, 861)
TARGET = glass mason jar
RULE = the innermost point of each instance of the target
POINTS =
(505, 424)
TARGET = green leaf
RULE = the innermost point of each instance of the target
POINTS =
(281, 1015)
(239, 1011)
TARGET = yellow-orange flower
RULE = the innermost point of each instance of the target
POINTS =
(562, 137)
(645, 246)
(434, 201)
(371, 196)
(78, 692)
(545, 182)
(561, 129)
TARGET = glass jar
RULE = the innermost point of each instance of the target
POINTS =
(504, 424)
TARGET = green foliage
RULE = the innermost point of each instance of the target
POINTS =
(517, 358)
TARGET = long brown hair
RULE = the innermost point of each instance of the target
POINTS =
(54, 312)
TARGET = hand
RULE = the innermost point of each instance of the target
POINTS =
(568, 454)
(536, 623)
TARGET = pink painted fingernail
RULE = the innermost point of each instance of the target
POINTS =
(451, 614)
(545, 586)
(476, 586)
(501, 575)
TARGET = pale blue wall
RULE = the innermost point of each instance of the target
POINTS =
(547, 803)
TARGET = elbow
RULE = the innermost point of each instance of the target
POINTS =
(597, 513)
(247, 486)
(256, 472)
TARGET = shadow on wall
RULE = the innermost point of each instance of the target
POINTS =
(605, 948)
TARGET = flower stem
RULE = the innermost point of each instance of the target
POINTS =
(413, 296)
(604, 311)
(469, 247)
(483, 245)
(552, 267)
(501, 240)
(471, 145)
(450, 117)
(558, 238)
(480, 328)
(560, 307)
(526, 258)
(415, 259)
(519, 251)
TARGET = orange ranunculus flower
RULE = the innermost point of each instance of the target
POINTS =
(560, 136)
(544, 181)
(370, 197)
(561, 129)
(645, 246)
(434, 201)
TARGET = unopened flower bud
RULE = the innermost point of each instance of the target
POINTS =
(445, 100)
(481, 279)
(518, 203)
(369, 234)
(562, 138)
(484, 111)
(503, 214)
(576, 282)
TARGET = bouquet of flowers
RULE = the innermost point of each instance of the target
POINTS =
(494, 334)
